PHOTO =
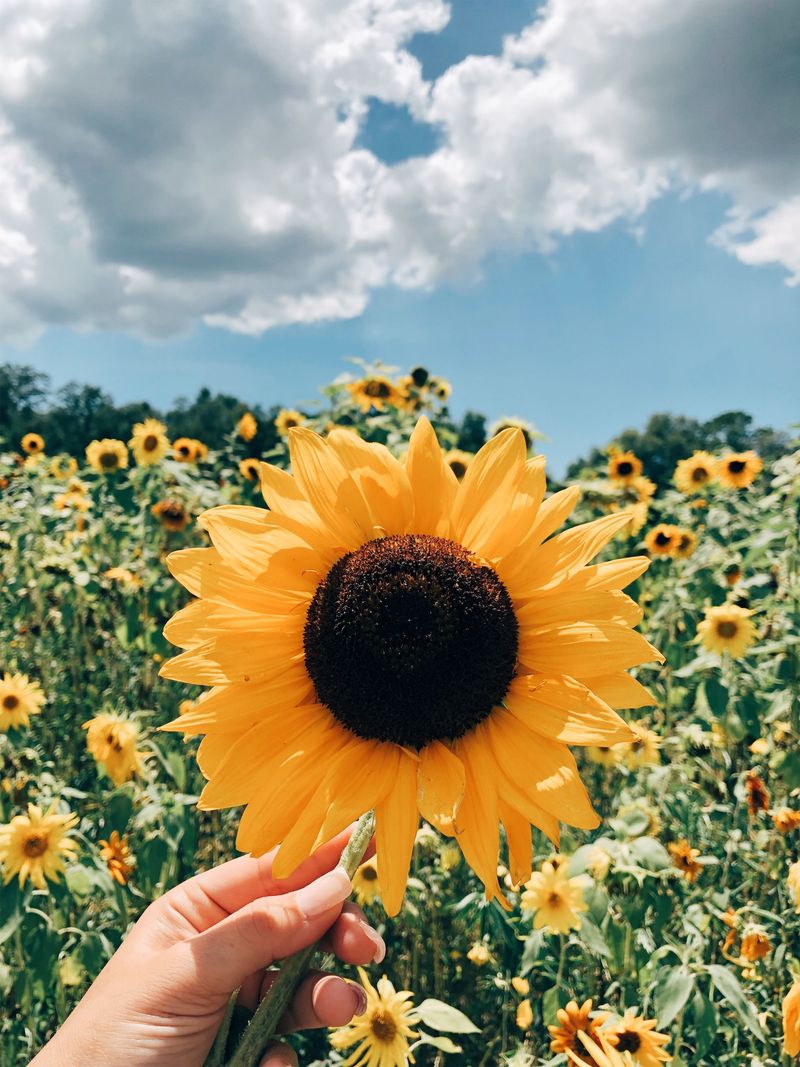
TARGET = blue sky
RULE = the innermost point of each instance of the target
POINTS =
(585, 340)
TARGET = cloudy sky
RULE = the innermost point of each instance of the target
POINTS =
(581, 211)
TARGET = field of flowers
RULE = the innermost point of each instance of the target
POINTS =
(669, 934)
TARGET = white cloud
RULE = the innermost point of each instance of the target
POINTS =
(164, 161)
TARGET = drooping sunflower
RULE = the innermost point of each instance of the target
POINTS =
(624, 467)
(63, 467)
(19, 699)
(36, 845)
(381, 1035)
(458, 461)
(112, 742)
(365, 882)
(32, 443)
(758, 796)
(640, 1039)
(737, 470)
(250, 468)
(556, 899)
(727, 628)
(184, 449)
(375, 393)
(693, 474)
(172, 515)
(107, 456)
(149, 442)
(662, 540)
(684, 857)
(247, 427)
(287, 419)
(118, 857)
(424, 644)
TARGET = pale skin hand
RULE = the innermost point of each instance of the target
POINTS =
(160, 999)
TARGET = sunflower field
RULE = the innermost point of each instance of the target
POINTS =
(669, 933)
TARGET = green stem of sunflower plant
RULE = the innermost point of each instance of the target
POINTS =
(262, 1028)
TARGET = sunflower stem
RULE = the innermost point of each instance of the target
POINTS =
(261, 1031)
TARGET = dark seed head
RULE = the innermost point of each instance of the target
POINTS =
(628, 1041)
(625, 468)
(736, 466)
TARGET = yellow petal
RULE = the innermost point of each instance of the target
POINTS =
(328, 487)
(203, 572)
(584, 649)
(231, 708)
(488, 489)
(440, 786)
(478, 832)
(225, 660)
(563, 710)
(396, 824)
(566, 607)
(521, 516)
(433, 484)
(518, 836)
(381, 479)
(620, 690)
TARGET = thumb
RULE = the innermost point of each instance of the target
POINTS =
(269, 929)
(279, 1056)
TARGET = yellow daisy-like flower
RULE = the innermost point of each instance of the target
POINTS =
(117, 854)
(727, 628)
(19, 699)
(737, 470)
(458, 462)
(149, 442)
(693, 474)
(63, 467)
(572, 1021)
(112, 742)
(687, 543)
(606, 755)
(107, 456)
(381, 1035)
(365, 882)
(418, 641)
(662, 540)
(450, 856)
(598, 1051)
(639, 1038)
(184, 449)
(643, 751)
(791, 1021)
(247, 427)
(556, 898)
(250, 469)
(684, 857)
(793, 882)
(624, 467)
(288, 419)
(172, 515)
(375, 393)
(36, 845)
(32, 444)
(645, 489)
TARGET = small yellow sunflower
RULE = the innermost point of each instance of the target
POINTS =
(727, 628)
(200, 450)
(247, 427)
(458, 462)
(19, 699)
(574, 1020)
(35, 845)
(687, 543)
(184, 449)
(644, 488)
(63, 467)
(694, 474)
(624, 467)
(32, 444)
(737, 470)
(149, 442)
(556, 899)
(606, 755)
(644, 750)
(639, 1038)
(375, 393)
(287, 419)
(73, 500)
(124, 577)
(172, 515)
(440, 388)
(112, 742)
(785, 820)
(755, 944)
(791, 1021)
(684, 857)
(425, 643)
(107, 456)
(117, 854)
(598, 1050)
(365, 882)
(449, 856)
(382, 1033)
(250, 468)
(662, 540)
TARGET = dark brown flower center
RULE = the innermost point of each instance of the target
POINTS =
(369, 874)
(662, 538)
(150, 443)
(185, 450)
(383, 1025)
(409, 639)
(376, 388)
(699, 474)
(10, 702)
(458, 467)
(109, 460)
(625, 468)
(35, 843)
(736, 466)
(628, 1041)
(419, 376)
(726, 629)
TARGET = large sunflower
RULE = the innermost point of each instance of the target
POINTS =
(737, 470)
(107, 456)
(32, 443)
(727, 628)
(624, 467)
(19, 699)
(35, 845)
(387, 638)
(694, 473)
(149, 442)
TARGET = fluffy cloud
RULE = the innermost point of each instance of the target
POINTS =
(165, 161)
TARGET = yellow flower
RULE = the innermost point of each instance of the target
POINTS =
(640, 1039)
(662, 540)
(74, 499)
(458, 461)
(598, 862)
(417, 640)
(524, 1015)
(556, 898)
(521, 986)
(684, 857)
(791, 1021)
(687, 543)
(382, 1033)
(184, 449)
(450, 856)
(572, 1021)
(63, 467)
(694, 473)
(365, 882)
(644, 489)
(439, 388)
(757, 793)
(171, 514)
(624, 467)
(124, 577)
(35, 845)
(112, 742)
(117, 855)
(755, 944)
(727, 628)
(511, 422)
(606, 755)
(643, 751)
(32, 443)
(107, 456)
(479, 954)
(599, 1051)
(737, 470)
(250, 468)
(19, 699)
(786, 819)
(375, 393)
(247, 427)
(149, 442)
(34, 461)
(288, 419)
(793, 882)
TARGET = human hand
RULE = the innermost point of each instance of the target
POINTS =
(160, 999)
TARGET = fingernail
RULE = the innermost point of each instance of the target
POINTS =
(360, 999)
(377, 941)
(328, 891)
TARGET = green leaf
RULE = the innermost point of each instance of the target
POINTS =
(705, 1021)
(727, 984)
(591, 936)
(650, 853)
(717, 696)
(550, 1004)
(442, 1016)
(672, 993)
(78, 881)
(9, 926)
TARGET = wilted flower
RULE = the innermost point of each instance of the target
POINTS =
(112, 742)
(786, 819)
(757, 793)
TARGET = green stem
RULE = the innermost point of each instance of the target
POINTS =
(264, 1024)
